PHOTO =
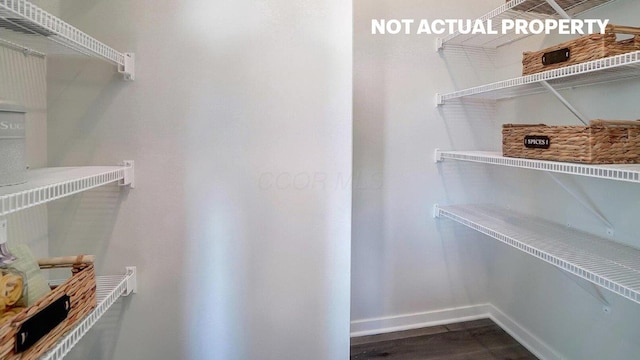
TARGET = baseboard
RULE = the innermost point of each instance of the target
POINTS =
(536, 346)
(419, 320)
(454, 315)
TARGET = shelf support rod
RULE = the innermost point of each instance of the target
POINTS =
(585, 203)
(589, 287)
(558, 9)
(564, 102)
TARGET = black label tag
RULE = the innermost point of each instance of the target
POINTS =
(42, 322)
(555, 57)
(537, 142)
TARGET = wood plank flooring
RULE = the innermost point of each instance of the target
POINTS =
(474, 340)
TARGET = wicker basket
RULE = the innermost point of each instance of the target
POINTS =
(543, 7)
(582, 49)
(81, 291)
(602, 142)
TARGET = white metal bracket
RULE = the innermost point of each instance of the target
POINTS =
(589, 287)
(129, 174)
(132, 283)
(558, 9)
(437, 156)
(439, 100)
(564, 102)
(439, 44)
(584, 202)
(129, 67)
(436, 211)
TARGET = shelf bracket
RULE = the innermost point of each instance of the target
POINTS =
(437, 156)
(439, 100)
(439, 44)
(584, 202)
(589, 287)
(436, 211)
(128, 69)
(132, 284)
(129, 174)
(558, 9)
(564, 102)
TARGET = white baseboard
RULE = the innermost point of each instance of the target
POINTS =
(536, 346)
(455, 315)
(419, 320)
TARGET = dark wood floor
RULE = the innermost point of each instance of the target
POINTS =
(474, 340)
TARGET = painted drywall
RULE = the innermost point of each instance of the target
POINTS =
(239, 122)
(405, 264)
(410, 269)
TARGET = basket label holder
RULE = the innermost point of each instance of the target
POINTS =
(556, 57)
(537, 142)
(40, 324)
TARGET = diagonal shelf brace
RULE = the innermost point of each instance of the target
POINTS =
(558, 9)
(590, 288)
(584, 202)
(564, 102)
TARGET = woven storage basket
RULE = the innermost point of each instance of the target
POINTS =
(602, 142)
(81, 289)
(582, 49)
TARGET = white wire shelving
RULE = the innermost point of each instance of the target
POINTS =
(611, 265)
(619, 172)
(48, 184)
(26, 27)
(620, 67)
(109, 289)
(517, 9)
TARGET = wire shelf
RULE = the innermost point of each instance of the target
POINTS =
(109, 289)
(620, 172)
(613, 266)
(48, 184)
(518, 9)
(25, 26)
(615, 68)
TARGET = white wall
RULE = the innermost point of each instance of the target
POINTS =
(405, 264)
(240, 125)
(411, 268)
